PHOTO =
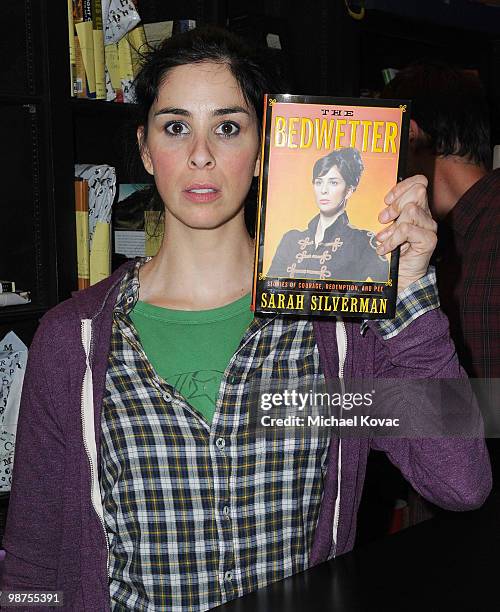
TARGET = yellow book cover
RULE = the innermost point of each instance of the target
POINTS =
(100, 252)
(326, 166)
(79, 77)
(85, 35)
(113, 66)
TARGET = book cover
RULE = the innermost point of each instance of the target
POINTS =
(326, 165)
(128, 219)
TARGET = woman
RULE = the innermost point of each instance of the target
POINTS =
(330, 247)
(127, 495)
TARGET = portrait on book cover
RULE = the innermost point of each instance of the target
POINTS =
(330, 246)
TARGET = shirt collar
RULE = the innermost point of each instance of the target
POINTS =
(129, 288)
(468, 206)
(339, 223)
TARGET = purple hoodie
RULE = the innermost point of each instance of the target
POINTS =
(54, 537)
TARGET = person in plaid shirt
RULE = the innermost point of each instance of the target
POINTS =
(138, 484)
(450, 144)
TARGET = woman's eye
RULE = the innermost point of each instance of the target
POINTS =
(227, 129)
(176, 128)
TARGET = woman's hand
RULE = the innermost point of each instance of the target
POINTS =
(411, 226)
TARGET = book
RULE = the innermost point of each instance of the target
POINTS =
(71, 44)
(98, 39)
(326, 166)
(128, 219)
(101, 180)
(82, 232)
(7, 286)
(80, 86)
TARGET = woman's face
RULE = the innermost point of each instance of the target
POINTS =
(202, 145)
(331, 192)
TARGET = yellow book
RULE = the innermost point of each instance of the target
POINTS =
(99, 61)
(79, 78)
(71, 34)
(113, 65)
(125, 60)
(85, 35)
(100, 252)
(82, 232)
(138, 46)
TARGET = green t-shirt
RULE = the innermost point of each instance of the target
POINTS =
(191, 349)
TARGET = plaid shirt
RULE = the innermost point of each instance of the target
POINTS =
(198, 514)
(468, 274)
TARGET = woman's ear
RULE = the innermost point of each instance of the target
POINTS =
(144, 150)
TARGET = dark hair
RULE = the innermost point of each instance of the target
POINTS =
(348, 162)
(204, 44)
(449, 105)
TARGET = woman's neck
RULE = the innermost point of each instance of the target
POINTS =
(199, 269)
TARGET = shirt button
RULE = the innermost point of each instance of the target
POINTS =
(228, 576)
(167, 396)
(220, 443)
(225, 512)
(130, 300)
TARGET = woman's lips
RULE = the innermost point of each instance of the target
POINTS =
(202, 193)
(324, 201)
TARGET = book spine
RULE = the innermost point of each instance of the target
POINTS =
(82, 232)
(79, 77)
(71, 44)
(99, 61)
(85, 33)
(7, 286)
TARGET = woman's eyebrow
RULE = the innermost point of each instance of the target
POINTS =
(218, 112)
(171, 110)
(229, 111)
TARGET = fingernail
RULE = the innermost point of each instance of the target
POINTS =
(389, 197)
(384, 215)
(380, 249)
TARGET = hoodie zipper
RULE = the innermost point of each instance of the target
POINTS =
(89, 429)
(342, 350)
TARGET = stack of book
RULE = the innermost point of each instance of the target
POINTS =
(107, 43)
(95, 188)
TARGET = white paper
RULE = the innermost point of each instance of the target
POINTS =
(13, 356)
(118, 17)
(102, 189)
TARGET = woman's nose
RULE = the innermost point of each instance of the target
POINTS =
(201, 155)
